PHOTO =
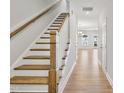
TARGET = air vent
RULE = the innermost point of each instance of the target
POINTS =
(87, 8)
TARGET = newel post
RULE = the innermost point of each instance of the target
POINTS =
(52, 71)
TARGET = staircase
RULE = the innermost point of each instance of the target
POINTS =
(40, 69)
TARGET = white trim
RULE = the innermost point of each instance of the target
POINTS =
(108, 77)
(66, 80)
(106, 73)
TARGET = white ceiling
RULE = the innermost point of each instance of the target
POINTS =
(90, 20)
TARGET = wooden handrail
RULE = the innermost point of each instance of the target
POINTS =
(18, 30)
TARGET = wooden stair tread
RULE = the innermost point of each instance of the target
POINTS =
(45, 42)
(45, 37)
(64, 57)
(53, 28)
(29, 80)
(33, 67)
(68, 42)
(36, 57)
(57, 23)
(48, 32)
(39, 49)
(66, 49)
(58, 20)
(62, 67)
(62, 16)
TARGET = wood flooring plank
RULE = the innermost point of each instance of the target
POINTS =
(33, 67)
(29, 80)
(87, 76)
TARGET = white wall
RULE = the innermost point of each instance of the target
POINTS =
(107, 13)
(110, 39)
(20, 42)
(101, 8)
(73, 31)
(22, 10)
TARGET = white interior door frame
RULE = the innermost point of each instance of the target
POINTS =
(104, 42)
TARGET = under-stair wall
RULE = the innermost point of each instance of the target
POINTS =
(21, 41)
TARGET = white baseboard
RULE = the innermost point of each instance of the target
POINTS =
(66, 80)
(108, 77)
(106, 73)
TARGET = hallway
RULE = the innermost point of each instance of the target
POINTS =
(87, 76)
(44, 38)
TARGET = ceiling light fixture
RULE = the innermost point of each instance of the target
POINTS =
(87, 13)
(87, 10)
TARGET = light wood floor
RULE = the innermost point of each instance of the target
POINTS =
(87, 76)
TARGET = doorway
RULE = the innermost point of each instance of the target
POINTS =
(88, 39)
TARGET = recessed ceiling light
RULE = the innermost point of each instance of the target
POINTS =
(87, 13)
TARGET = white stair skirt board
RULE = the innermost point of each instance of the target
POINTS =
(46, 46)
(64, 80)
(41, 53)
(29, 73)
(28, 88)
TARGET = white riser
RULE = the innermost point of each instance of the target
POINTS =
(43, 40)
(53, 28)
(41, 46)
(28, 88)
(46, 35)
(33, 62)
(29, 73)
(41, 53)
